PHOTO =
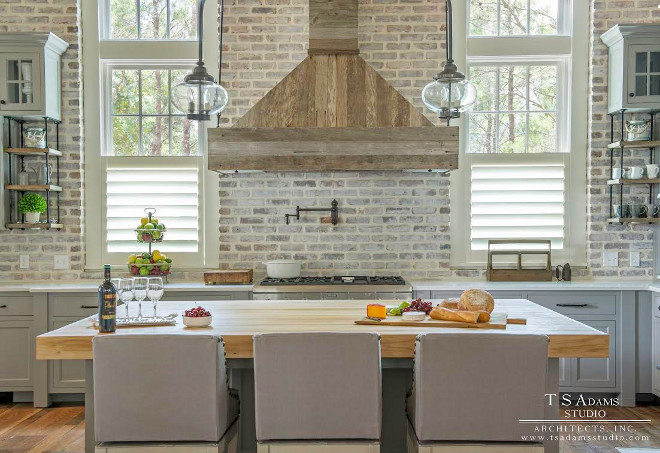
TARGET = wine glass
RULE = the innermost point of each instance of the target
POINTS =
(126, 292)
(115, 282)
(155, 291)
(140, 285)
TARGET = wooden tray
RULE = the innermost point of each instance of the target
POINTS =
(233, 277)
(497, 321)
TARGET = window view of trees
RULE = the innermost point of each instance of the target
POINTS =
(144, 123)
(153, 19)
(513, 17)
(516, 109)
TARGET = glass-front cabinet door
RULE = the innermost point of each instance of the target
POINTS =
(21, 82)
(644, 74)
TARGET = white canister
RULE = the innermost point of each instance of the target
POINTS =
(283, 268)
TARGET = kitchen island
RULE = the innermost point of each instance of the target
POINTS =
(237, 321)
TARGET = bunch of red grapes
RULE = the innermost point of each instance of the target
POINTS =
(419, 305)
(197, 312)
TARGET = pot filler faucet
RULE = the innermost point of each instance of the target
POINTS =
(334, 212)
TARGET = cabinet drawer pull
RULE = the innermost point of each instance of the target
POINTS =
(89, 306)
(3, 306)
(573, 305)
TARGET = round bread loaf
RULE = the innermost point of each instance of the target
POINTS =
(450, 303)
(476, 300)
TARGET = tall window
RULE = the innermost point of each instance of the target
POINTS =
(515, 17)
(146, 152)
(522, 168)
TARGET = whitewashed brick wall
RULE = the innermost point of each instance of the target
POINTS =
(602, 236)
(62, 18)
(391, 221)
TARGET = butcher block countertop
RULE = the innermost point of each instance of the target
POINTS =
(238, 321)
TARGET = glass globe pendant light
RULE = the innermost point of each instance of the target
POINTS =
(199, 96)
(449, 94)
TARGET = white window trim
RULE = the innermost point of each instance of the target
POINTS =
(93, 51)
(542, 49)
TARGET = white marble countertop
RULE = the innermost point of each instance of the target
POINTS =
(68, 287)
(577, 285)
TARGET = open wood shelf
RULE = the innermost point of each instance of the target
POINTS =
(635, 144)
(634, 220)
(34, 187)
(43, 226)
(33, 151)
(616, 182)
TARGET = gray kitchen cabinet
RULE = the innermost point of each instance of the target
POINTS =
(30, 75)
(597, 309)
(16, 353)
(599, 373)
(656, 356)
(68, 376)
(65, 376)
(655, 368)
(634, 67)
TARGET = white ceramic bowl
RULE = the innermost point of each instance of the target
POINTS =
(283, 268)
(199, 321)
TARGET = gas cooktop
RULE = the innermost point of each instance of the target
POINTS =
(336, 280)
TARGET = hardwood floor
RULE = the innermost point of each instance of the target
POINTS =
(61, 428)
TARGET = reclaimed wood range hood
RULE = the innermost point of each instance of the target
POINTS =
(333, 112)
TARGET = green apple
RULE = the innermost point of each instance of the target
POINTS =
(149, 226)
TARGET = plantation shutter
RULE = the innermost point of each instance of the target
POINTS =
(173, 192)
(517, 201)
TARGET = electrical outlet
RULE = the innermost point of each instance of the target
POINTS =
(24, 261)
(635, 258)
(610, 259)
(61, 262)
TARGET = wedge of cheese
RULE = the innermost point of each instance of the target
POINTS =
(376, 311)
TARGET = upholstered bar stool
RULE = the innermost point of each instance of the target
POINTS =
(167, 393)
(317, 392)
(470, 391)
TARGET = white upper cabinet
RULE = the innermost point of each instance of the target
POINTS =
(30, 75)
(634, 67)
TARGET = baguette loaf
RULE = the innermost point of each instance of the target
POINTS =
(476, 300)
(446, 314)
(484, 316)
(449, 303)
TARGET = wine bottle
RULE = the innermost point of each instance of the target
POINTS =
(107, 303)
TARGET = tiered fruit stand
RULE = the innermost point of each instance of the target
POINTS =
(155, 262)
(623, 145)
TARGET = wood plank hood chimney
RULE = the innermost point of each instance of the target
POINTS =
(333, 112)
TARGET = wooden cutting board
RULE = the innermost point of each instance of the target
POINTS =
(497, 321)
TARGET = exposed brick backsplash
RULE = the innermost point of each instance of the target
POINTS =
(390, 222)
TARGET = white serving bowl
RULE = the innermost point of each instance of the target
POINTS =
(283, 268)
(198, 321)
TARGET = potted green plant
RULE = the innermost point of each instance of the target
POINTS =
(32, 205)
